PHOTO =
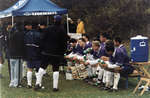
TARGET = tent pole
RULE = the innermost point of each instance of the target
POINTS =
(47, 20)
(12, 21)
(67, 24)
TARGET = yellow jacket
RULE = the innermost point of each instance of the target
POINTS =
(80, 28)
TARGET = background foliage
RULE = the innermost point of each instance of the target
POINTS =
(119, 17)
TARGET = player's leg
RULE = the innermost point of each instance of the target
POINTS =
(30, 66)
(41, 72)
(55, 77)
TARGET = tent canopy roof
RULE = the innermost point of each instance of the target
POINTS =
(33, 7)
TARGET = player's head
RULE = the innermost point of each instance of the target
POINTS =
(73, 42)
(42, 25)
(28, 25)
(95, 45)
(117, 41)
(104, 37)
(85, 37)
(57, 19)
(79, 20)
(82, 42)
(109, 47)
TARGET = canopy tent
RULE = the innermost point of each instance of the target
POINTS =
(33, 8)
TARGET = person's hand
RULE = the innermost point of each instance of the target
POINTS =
(86, 63)
(81, 60)
(67, 57)
(117, 69)
(104, 58)
(74, 58)
(69, 67)
(104, 65)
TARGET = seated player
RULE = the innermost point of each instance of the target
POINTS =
(118, 64)
(96, 53)
(104, 37)
(72, 47)
(79, 51)
(71, 50)
(86, 38)
(118, 44)
(81, 46)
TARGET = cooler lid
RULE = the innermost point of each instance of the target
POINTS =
(138, 37)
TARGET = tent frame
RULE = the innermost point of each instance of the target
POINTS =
(67, 16)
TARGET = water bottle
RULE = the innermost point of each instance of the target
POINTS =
(101, 61)
(87, 50)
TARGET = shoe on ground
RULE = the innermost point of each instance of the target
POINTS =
(11, 85)
(55, 89)
(113, 90)
(38, 87)
(29, 86)
(106, 88)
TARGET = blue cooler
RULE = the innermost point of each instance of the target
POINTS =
(139, 49)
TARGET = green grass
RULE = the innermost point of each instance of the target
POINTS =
(68, 89)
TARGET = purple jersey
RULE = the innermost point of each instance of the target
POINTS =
(119, 58)
(88, 45)
(96, 54)
(80, 50)
(72, 49)
(122, 47)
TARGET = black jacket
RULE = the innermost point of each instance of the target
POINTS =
(32, 41)
(15, 44)
(54, 41)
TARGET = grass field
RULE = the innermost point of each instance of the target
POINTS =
(68, 89)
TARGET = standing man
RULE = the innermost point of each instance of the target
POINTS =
(80, 27)
(54, 45)
(33, 51)
(16, 52)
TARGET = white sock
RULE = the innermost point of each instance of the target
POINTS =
(1, 68)
(100, 74)
(39, 76)
(109, 79)
(116, 80)
(24, 69)
(55, 79)
(29, 78)
(89, 70)
(61, 68)
(104, 76)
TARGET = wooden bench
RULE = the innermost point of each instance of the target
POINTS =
(144, 75)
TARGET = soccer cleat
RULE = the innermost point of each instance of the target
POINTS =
(29, 86)
(37, 87)
(106, 88)
(11, 85)
(55, 89)
(113, 90)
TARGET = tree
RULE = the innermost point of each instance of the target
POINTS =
(119, 17)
